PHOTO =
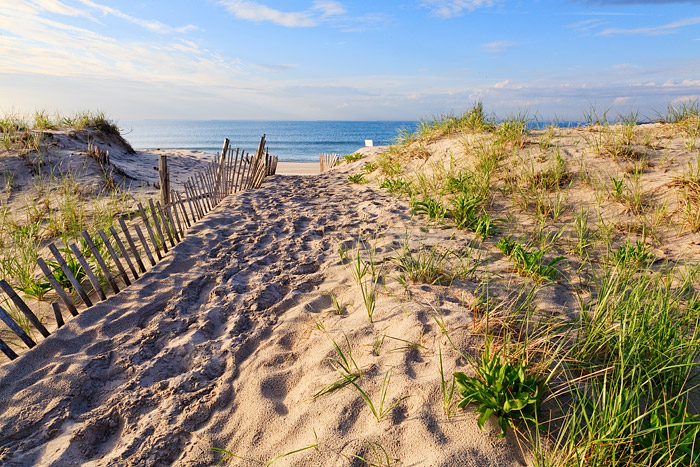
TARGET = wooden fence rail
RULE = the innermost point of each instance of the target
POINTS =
(231, 171)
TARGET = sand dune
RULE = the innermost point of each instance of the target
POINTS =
(220, 345)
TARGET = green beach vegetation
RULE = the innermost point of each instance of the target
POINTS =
(51, 195)
(596, 213)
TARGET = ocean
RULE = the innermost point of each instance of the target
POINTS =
(293, 141)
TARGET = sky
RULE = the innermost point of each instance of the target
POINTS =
(348, 60)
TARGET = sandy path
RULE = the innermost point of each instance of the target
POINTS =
(217, 346)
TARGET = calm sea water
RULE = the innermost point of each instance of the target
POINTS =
(290, 141)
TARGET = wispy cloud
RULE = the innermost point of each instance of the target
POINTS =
(653, 30)
(497, 46)
(274, 68)
(257, 12)
(38, 43)
(329, 8)
(451, 8)
(151, 25)
(639, 2)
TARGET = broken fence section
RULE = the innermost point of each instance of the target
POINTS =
(117, 256)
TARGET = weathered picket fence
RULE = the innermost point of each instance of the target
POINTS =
(328, 161)
(229, 172)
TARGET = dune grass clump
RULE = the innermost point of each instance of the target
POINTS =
(529, 262)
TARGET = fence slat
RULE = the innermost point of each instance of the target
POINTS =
(66, 270)
(7, 350)
(164, 174)
(57, 287)
(203, 191)
(19, 303)
(115, 258)
(174, 221)
(234, 174)
(144, 243)
(132, 245)
(16, 328)
(195, 199)
(185, 217)
(123, 251)
(157, 221)
(57, 314)
(207, 186)
(100, 260)
(150, 231)
(166, 224)
(88, 272)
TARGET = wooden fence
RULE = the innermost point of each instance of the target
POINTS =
(328, 161)
(124, 256)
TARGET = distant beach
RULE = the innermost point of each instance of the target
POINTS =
(291, 141)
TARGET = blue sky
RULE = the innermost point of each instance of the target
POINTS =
(347, 60)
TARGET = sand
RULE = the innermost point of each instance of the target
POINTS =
(219, 346)
(225, 342)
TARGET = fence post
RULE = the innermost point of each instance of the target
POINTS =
(164, 179)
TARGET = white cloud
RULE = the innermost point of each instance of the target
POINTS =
(451, 8)
(254, 11)
(31, 43)
(497, 46)
(152, 25)
(652, 31)
(329, 8)
(55, 6)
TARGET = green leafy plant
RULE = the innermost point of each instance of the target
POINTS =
(357, 178)
(529, 263)
(395, 185)
(618, 187)
(431, 208)
(369, 167)
(671, 435)
(352, 157)
(634, 254)
(502, 387)
(468, 213)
